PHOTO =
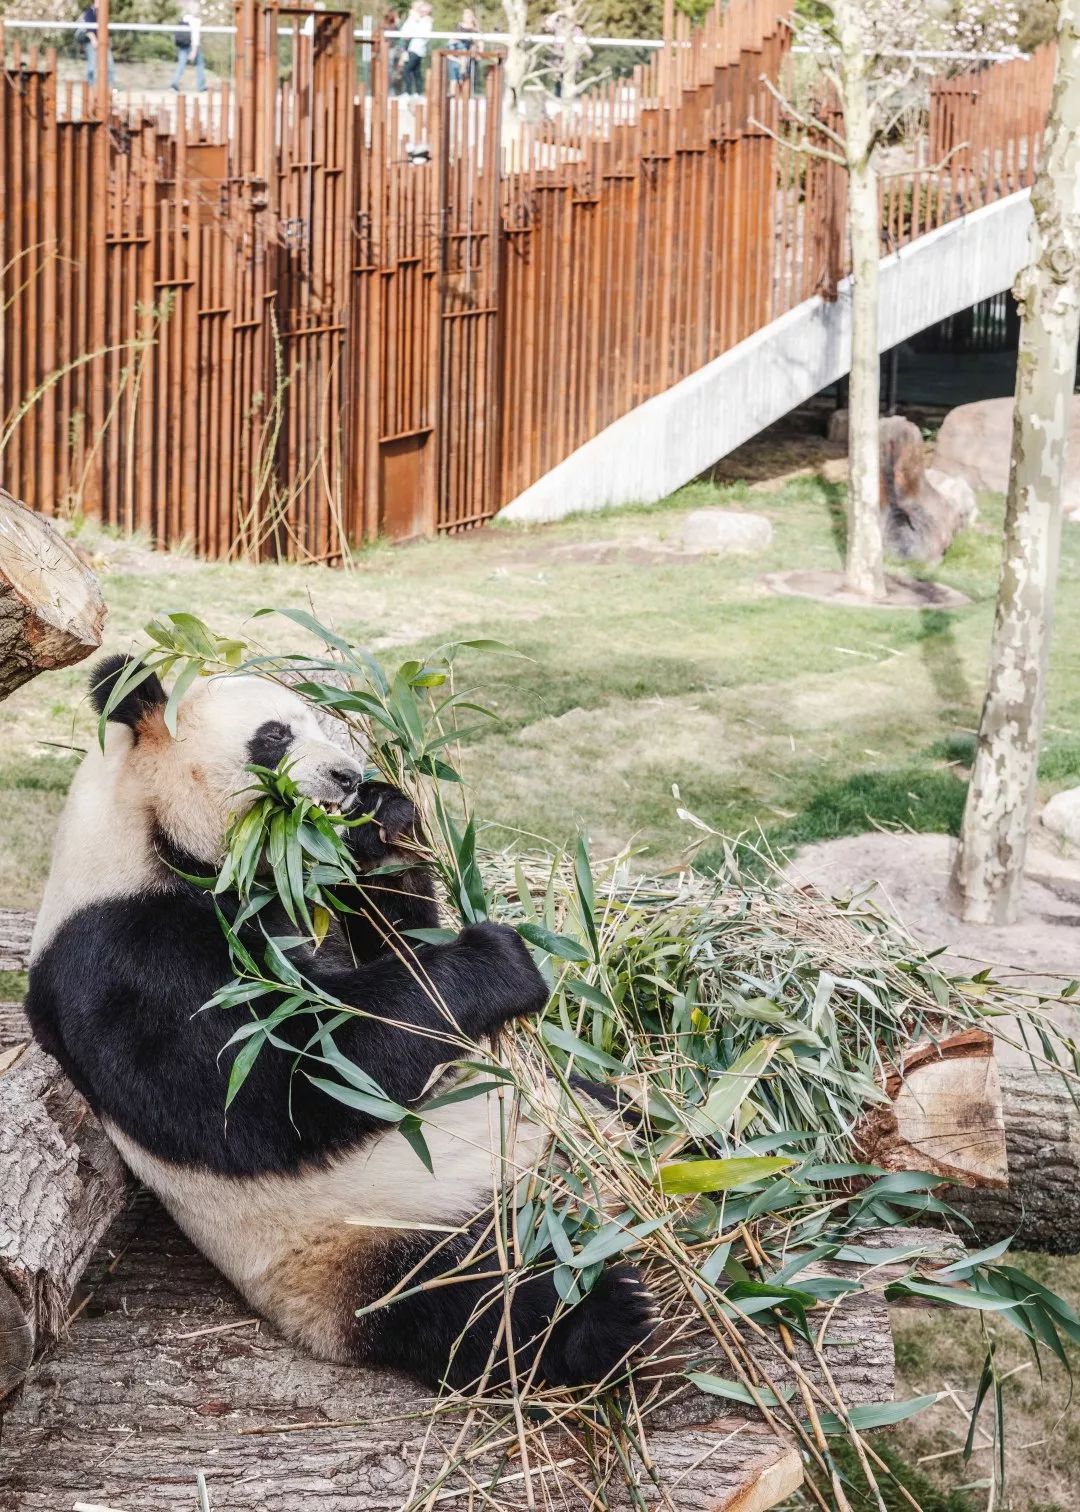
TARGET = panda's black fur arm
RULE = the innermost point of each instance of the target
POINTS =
(116, 996)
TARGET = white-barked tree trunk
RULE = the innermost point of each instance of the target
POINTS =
(988, 869)
(864, 568)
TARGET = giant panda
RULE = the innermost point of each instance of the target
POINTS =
(311, 1209)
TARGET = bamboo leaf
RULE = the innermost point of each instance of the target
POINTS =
(557, 945)
(686, 1176)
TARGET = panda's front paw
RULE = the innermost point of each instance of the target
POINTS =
(604, 1334)
(392, 822)
(508, 985)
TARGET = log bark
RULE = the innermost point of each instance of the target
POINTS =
(1042, 1203)
(988, 870)
(63, 1185)
(51, 609)
(165, 1374)
(16, 927)
(944, 1115)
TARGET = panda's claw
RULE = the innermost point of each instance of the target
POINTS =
(603, 1334)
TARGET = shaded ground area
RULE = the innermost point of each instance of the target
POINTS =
(828, 587)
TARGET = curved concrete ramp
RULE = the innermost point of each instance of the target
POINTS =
(676, 435)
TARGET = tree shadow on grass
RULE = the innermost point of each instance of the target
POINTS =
(836, 501)
(941, 656)
(925, 800)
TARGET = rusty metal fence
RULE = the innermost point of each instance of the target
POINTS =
(307, 313)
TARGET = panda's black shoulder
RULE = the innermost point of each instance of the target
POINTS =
(122, 968)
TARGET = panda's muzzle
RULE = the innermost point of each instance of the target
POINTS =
(348, 780)
(330, 776)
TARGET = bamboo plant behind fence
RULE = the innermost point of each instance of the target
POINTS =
(311, 314)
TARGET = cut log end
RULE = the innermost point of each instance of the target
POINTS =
(944, 1114)
(51, 608)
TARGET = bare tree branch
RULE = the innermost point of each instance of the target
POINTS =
(925, 167)
(808, 123)
(806, 147)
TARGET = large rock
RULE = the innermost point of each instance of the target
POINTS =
(1061, 816)
(725, 532)
(919, 521)
(959, 492)
(975, 442)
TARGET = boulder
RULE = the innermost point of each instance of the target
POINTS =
(960, 494)
(975, 442)
(1061, 816)
(919, 521)
(725, 532)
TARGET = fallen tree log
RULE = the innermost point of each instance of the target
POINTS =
(1041, 1205)
(165, 1373)
(930, 1125)
(63, 1185)
(51, 609)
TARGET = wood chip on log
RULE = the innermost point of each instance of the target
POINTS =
(51, 609)
(63, 1185)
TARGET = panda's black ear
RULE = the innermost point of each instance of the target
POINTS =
(137, 704)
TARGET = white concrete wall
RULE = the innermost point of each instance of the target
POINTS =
(673, 437)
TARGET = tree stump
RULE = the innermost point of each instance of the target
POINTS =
(51, 609)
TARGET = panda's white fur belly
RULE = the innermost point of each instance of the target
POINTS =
(286, 1241)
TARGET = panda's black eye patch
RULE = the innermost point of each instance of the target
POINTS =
(269, 743)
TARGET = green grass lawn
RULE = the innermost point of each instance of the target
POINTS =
(639, 670)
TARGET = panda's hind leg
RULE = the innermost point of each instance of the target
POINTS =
(607, 1329)
(454, 1331)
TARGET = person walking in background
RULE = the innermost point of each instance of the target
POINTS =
(465, 46)
(391, 22)
(414, 34)
(86, 34)
(188, 40)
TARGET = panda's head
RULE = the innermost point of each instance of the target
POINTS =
(189, 786)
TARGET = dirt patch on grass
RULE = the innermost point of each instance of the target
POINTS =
(104, 552)
(900, 592)
(944, 1351)
(907, 874)
(640, 549)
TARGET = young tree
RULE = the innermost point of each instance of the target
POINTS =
(875, 54)
(988, 869)
(548, 70)
(570, 49)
